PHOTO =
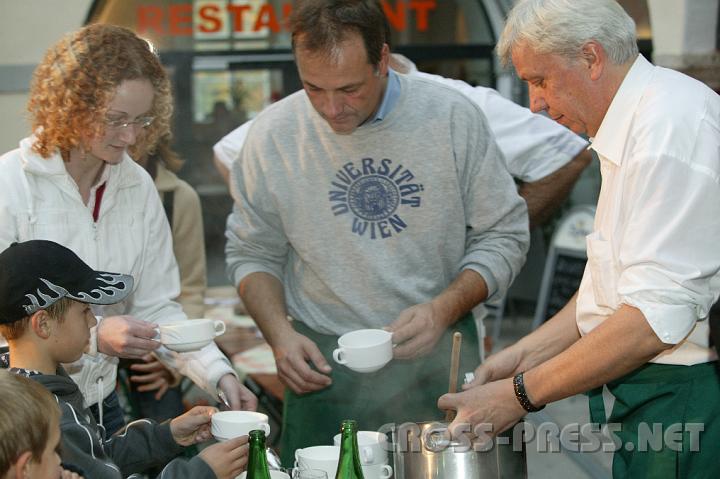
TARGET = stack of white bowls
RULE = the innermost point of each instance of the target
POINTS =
(373, 451)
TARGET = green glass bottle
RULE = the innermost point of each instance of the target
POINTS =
(349, 466)
(257, 461)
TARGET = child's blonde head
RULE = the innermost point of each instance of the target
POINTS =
(27, 413)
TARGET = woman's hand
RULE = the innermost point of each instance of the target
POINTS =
(126, 337)
(239, 397)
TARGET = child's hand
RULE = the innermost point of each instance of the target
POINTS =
(227, 459)
(65, 474)
(193, 426)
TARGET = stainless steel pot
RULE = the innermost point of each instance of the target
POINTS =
(425, 451)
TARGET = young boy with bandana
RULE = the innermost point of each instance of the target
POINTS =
(45, 296)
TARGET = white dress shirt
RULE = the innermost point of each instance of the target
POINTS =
(656, 241)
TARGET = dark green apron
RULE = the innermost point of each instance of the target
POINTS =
(402, 391)
(677, 400)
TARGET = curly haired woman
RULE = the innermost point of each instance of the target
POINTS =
(73, 182)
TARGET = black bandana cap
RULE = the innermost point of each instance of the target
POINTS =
(37, 273)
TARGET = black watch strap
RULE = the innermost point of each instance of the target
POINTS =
(521, 394)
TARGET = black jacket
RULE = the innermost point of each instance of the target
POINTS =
(140, 445)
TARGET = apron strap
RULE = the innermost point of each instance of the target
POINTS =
(597, 406)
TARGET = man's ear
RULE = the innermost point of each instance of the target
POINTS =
(40, 324)
(594, 57)
(382, 67)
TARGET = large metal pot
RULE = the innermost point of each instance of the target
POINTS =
(425, 451)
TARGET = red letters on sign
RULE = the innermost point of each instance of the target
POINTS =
(237, 12)
(287, 10)
(209, 16)
(150, 18)
(177, 19)
(180, 19)
(266, 19)
(422, 7)
(396, 18)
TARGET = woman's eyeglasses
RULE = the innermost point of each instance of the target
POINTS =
(141, 122)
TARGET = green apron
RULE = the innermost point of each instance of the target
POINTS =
(661, 409)
(402, 391)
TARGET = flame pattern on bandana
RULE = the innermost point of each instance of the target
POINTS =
(111, 292)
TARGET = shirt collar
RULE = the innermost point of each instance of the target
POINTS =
(611, 137)
(390, 98)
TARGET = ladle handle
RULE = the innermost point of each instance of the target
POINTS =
(454, 366)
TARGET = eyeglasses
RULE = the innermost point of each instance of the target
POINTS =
(142, 122)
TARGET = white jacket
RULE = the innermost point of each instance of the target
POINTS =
(39, 200)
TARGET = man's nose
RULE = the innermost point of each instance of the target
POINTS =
(537, 100)
(333, 105)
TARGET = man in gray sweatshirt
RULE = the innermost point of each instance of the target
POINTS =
(367, 200)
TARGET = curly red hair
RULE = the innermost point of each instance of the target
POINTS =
(77, 79)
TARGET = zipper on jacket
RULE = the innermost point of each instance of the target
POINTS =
(100, 397)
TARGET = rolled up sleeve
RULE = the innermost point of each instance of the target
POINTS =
(669, 258)
(496, 218)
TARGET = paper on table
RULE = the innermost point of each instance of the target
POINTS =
(257, 360)
(225, 314)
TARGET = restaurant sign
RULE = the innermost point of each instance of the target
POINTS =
(213, 18)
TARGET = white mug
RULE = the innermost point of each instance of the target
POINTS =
(190, 335)
(364, 350)
(377, 471)
(230, 424)
(373, 447)
(324, 458)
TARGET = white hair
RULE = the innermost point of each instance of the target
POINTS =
(562, 27)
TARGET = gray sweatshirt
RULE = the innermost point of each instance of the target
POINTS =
(359, 227)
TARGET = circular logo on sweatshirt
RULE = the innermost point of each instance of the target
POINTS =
(373, 197)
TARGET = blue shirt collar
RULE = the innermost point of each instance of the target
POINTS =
(390, 98)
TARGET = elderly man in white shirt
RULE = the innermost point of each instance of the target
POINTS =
(638, 324)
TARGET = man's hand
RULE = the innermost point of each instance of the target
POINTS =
(501, 365)
(155, 376)
(193, 426)
(494, 405)
(239, 397)
(416, 331)
(292, 355)
(126, 337)
(227, 459)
